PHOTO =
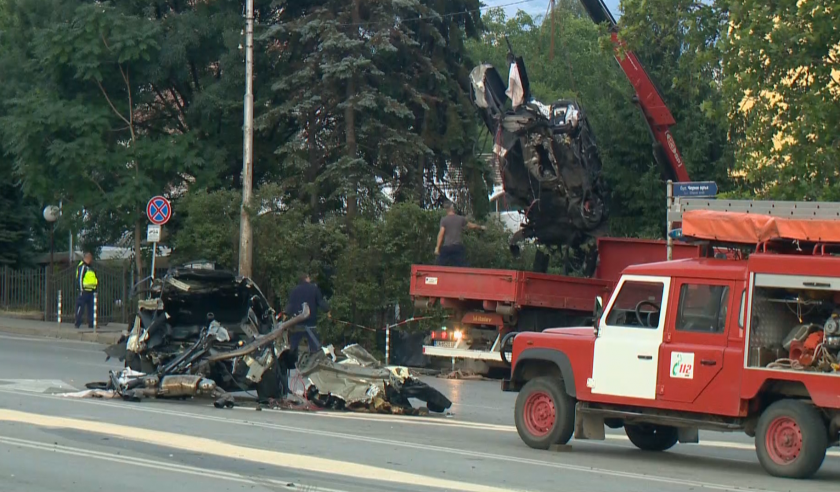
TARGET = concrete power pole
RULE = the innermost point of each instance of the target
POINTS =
(246, 249)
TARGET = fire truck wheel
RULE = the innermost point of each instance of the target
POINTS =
(648, 437)
(791, 439)
(545, 413)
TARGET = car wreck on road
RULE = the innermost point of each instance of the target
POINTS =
(206, 324)
(211, 333)
(547, 155)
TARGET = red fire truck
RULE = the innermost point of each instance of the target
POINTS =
(747, 343)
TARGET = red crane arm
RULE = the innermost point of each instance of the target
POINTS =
(656, 113)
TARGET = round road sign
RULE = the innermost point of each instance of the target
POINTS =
(159, 210)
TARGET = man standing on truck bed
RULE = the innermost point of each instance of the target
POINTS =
(450, 248)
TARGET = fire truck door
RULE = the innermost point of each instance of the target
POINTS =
(629, 335)
(692, 355)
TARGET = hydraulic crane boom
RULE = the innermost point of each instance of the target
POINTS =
(656, 113)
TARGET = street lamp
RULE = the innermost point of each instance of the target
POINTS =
(51, 213)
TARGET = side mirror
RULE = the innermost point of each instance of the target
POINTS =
(597, 311)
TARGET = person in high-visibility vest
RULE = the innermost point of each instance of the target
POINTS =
(87, 283)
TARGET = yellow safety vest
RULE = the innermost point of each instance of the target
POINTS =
(89, 280)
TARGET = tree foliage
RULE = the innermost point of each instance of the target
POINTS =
(782, 64)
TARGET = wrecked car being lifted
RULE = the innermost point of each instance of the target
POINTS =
(211, 326)
(547, 156)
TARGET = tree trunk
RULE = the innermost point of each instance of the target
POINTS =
(350, 127)
(420, 172)
(138, 253)
(312, 172)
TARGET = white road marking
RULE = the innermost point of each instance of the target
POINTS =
(420, 447)
(379, 419)
(53, 341)
(35, 385)
(156, 465)
(213, 447)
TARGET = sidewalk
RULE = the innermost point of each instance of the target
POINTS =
(105, 335)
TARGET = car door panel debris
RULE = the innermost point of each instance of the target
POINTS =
(359, 382)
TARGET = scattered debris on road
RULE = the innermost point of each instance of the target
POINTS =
(463, 375)
(359, 382)
(210, 333)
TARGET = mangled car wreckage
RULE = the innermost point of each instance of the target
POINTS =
(205, 326)
(211, 333)
(547, 155)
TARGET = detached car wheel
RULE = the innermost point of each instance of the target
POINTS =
(791, 439)
(545, 413)
(652, 437)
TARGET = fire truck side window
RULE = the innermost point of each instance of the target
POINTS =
(633, 293)
(703, 308)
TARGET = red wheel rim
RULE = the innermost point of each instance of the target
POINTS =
(539, 413)
(783, 440)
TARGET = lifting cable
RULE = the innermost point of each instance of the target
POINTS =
(552, 14)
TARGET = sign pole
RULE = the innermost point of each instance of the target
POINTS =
(670, 205)
(154, 256)
(159, 211)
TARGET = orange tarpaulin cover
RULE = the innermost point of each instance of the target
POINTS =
(753, 228)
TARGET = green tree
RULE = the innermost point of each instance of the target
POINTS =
(782, 84)
(106, 105)
(678, 43)
(376, 103)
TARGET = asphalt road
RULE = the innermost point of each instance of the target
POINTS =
(53, 443)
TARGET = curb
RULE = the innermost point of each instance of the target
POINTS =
(107, 338)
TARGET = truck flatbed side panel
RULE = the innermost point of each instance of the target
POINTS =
(478, 284)
(524, 289)
(616, 254)
(558, 292)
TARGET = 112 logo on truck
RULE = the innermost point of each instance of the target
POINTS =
(682, 365)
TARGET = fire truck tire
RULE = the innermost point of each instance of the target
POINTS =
(649, 437)
(545, 413)
(791, 439)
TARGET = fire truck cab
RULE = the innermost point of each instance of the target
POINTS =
(733, 341)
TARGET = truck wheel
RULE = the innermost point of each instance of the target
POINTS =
(648, 437)
(791, 439)
(544, 414)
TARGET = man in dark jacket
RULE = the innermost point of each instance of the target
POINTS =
(309, 293)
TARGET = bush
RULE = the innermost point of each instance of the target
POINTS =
(364, 274)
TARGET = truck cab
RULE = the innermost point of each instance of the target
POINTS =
(739, 344)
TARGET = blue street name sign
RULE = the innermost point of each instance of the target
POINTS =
(699, 188)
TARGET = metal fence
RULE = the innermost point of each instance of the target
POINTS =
(112, 303)
(33, 291)
(23, 291)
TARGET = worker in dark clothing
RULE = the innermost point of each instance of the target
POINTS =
(450, 248)
(309, 293)
(87, 282)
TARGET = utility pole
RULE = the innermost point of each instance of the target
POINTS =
(245, 233)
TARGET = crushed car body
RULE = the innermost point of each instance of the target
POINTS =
(359, 382)
(200, 327)
(548, 159)
(210, 333)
